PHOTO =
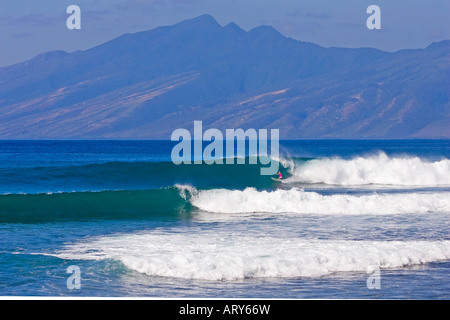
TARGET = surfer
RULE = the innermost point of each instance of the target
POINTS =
(280, 176)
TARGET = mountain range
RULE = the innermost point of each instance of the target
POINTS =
(146, 84)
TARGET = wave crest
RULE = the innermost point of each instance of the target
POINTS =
(379, 169)
(299, 201)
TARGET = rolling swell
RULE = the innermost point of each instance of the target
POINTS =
(114, 190)
(129, 190)
(130, 176)
(123, 204)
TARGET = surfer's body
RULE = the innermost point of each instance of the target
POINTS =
(280, 177)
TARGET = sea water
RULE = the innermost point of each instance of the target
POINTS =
(136, 225)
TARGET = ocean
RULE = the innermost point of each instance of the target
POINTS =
(350, 220)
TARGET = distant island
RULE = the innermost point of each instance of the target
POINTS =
(145, 85)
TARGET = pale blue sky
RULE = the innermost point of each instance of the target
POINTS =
(30, 27)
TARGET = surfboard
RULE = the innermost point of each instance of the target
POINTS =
(275, 179)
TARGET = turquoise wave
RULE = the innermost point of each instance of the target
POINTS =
(122, 204)
(130, 176)
(137, 190)
(115, 190)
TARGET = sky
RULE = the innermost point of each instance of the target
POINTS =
(31, 27)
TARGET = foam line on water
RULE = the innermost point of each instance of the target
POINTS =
(218, 255)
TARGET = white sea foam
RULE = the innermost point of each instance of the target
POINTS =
(186, 191)
(298, 201)
(217, 255)
(379, 169)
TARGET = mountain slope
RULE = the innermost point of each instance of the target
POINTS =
(147, 84)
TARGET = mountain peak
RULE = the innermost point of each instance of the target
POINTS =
(266, 31)
(145, 85)
(233, 26)
(204, 19)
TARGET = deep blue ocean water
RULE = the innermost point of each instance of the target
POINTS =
(136, 225)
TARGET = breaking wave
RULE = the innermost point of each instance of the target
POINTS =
(379, 169)
(217, 255)
(299, 201)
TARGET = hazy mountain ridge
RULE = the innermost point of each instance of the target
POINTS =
(147, 84)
